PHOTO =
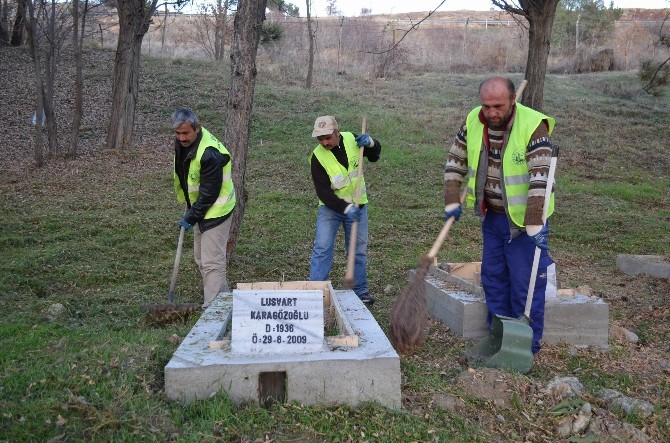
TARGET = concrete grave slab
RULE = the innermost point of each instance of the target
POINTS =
(455, 297)
(356, 365)
(652, 265)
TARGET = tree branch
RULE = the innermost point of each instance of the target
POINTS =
(663, 40)
(413, 27)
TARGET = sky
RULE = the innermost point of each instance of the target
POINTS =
(352, 8)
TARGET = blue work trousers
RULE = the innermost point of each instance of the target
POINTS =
(328, 222)
(506, 269)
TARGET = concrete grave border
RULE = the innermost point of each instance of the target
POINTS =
(358, 365)
(456, 298)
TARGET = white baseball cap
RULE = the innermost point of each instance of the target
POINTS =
(324, 125)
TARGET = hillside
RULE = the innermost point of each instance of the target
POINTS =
(96, 235)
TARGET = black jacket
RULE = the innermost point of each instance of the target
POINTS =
(322, 180)
(211, 179)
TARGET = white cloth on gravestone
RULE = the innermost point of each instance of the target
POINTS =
(551, 292)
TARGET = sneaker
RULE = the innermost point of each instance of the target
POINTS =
(367, 299)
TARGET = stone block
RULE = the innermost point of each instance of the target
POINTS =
(652, 265)
(458, 302)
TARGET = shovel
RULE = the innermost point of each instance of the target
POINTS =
(167, 312)
(510, 340)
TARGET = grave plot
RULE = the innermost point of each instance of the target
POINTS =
(454, 296)
(324, 348)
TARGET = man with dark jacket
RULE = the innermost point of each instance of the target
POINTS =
(203, 180)
(334, 166)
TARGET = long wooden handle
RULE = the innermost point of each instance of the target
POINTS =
(175, 268)
(519, 91)
(545, 212)
(351, 258)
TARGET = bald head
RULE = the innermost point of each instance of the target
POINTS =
(497, 85)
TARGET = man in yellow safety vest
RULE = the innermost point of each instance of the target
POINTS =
(503, 152)
(203, 180)
(334, 167)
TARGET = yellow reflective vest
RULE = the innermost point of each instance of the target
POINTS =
(514, 169)
(226, 199)
(343, 181)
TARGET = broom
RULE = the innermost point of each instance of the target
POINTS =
(351, 258)
(409, 316)
(170, 312)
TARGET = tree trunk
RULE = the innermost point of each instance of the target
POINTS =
(540, 15)
(541, 22)
(134, 19)
(248, 20)
(4, 20)
(31, 26)
(310, 35)
(50, 79)
(77, 41)
(220, 24)
(163, 31)
(19, 21)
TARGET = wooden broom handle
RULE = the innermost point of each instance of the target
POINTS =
(519, 91)
(357, 194)
(351, 258)
(175, 267)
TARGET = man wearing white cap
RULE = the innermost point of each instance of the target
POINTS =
(334, 165)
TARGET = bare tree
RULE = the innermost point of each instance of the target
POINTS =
(134, 20)
(221, 17)
(331, 8)
(4, 23)
(540, 15)
(78, 26)
(312, 36)
(19, 24)
(390, 55)
(657, 74)
(211, 30)
(31, 26)
(247, 30)
(47, 28)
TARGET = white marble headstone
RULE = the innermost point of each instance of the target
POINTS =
(277, 322)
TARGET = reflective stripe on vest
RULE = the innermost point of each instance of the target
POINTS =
(342, 181)
(225, 202)
(514, 167)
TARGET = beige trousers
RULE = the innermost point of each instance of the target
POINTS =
(209, 251)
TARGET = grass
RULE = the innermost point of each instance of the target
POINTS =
(98, 235)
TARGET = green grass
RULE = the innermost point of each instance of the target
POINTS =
(98, 235)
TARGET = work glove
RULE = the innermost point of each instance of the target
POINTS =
(186, 225)
(352, 213)
(453, 210)
(541, 237)
(365, 140)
